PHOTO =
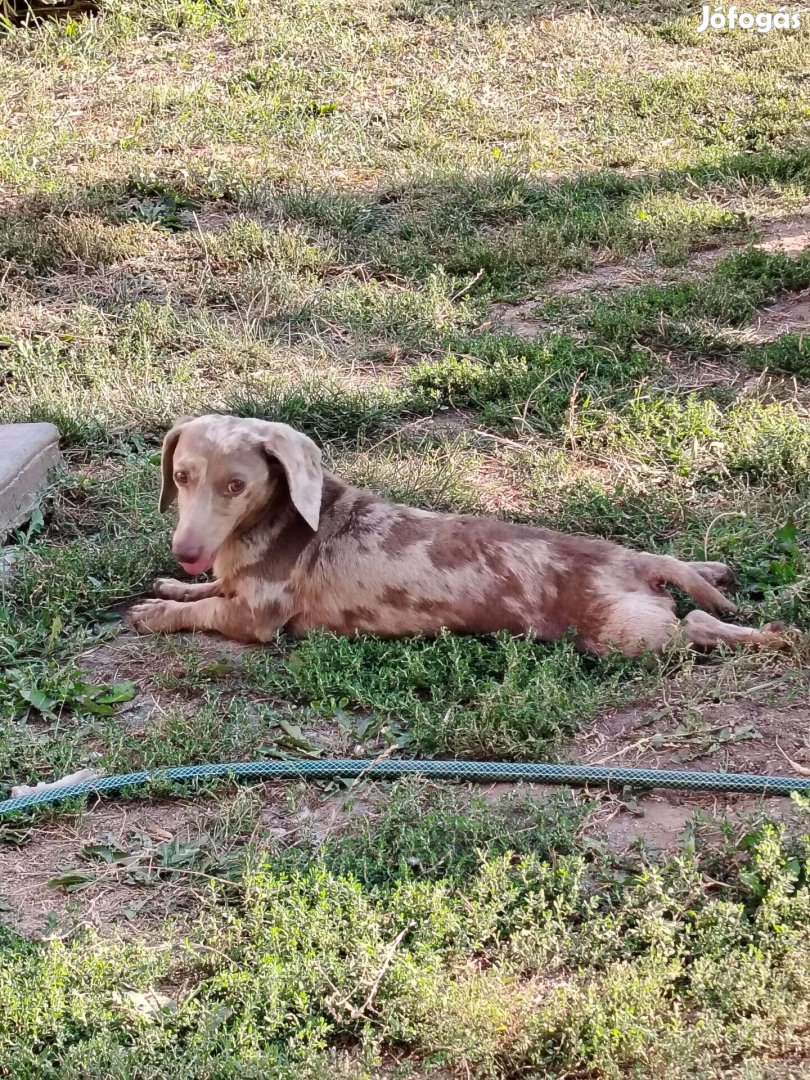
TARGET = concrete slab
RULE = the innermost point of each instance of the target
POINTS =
(28, 452)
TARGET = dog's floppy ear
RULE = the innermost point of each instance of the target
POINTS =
(301, 460)
(168, 488)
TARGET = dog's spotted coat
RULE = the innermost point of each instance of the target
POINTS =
(295, 547)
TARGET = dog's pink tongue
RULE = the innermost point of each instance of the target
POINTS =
(201, 566)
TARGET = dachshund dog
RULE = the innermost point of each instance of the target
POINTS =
(292, 546)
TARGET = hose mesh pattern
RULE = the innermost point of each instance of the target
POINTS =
(392, 769)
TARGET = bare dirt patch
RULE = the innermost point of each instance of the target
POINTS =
(35, 908)
(215, 217)
(447, 421)
(179, 674)
(741, 735)
(137, 659)
(129, 898)
(610, 276)
(789, 316)
(663, 820)
(500, 491)
(520, 319)
(790, 235)
(309, 815)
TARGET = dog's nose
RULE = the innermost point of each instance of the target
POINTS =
(192, 557)
(186, 552)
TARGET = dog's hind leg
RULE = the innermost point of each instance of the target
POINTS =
(639, 623)
(635, 623)
(707, 632)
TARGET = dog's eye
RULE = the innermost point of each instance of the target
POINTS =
(181, 477)
(236, 486)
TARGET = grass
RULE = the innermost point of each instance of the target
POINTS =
(498, 697)
(319, 212)
(575, 968)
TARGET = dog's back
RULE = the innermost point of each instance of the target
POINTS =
(381, 568)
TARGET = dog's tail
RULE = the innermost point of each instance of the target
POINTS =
(666, 570)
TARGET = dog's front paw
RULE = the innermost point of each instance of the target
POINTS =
(153, 617)
(169, 588)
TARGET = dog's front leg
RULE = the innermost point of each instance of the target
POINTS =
(170, 589)
(230, 617)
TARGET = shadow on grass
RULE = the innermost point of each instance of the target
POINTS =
(414, 264)
(507, 226)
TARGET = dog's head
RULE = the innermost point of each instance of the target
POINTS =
(223, 470)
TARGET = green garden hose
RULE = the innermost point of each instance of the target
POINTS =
(392, 769)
